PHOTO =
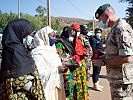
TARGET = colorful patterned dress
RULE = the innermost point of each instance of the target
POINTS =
(13, 88)
(75, 79)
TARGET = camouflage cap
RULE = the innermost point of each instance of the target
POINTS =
(101, 10)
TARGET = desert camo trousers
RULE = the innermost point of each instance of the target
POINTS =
(121, 91)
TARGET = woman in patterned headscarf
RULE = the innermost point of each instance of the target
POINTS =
(49, 65)
(18, 75)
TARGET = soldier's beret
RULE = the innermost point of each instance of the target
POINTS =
(101, 10)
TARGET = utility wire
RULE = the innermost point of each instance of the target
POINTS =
(76, 8)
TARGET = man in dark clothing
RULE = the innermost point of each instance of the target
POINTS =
(97, 48)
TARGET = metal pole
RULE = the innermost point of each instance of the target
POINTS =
(93, 24)
(48, 13)
(18, 8)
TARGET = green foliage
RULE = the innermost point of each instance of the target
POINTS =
(41, 10)
(56, 25)
(129, 11)
(90, 25)
(5, 18)
(38, 21)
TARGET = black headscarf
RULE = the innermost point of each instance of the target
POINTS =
(66, 31)
(16, 60)
(64, 36)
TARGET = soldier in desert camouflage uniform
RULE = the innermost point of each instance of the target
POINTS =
(119, 53)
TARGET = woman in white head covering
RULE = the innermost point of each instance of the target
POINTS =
(49, 65)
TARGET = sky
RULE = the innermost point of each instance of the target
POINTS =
(84, 9)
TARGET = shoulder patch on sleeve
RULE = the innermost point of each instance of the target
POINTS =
(126, 38)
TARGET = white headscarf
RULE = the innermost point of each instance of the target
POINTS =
(47, 61)
(41, 37)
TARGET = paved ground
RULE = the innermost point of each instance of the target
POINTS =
(105, 94)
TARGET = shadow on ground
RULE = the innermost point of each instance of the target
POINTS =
(101, 76)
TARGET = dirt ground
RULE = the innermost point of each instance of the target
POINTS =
(105, 94)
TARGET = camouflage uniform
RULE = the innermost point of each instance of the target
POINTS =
(120, 42)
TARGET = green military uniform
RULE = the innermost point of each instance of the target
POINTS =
(120, 42)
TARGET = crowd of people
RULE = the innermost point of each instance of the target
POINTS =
(40, 66)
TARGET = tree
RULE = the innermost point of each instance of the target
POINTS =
(90, 25)
(129, 11)
(4, 19)
(40, 10)
(56, 25)
(38, 21)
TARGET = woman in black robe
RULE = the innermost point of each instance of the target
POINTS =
(19, 77)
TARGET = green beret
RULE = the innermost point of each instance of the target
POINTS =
(101, 10)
